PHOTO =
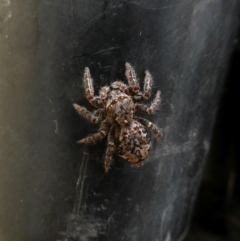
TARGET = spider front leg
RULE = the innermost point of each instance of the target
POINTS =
(109, 151)
(149, 110)
(93, 138)
(132, 78)
(148, 81)
(89, 91)
(151, 126)
(92, 117)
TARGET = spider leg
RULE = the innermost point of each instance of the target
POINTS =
(151, 126)
(149, 110)
(89, 91)
(132, 79)
(121, 86)
(109, 151)
(92, 117)
(148, 81)
(103, 94)
(93, 138)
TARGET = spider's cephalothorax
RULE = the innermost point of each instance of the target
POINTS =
(117, 105)
(120, 107)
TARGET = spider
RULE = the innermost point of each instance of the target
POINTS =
(117, 104)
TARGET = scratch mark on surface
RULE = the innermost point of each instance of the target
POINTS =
(81, 178)
(56, 126)
(82, 223)
(6, 3)
(8, 16)
(168, 238)
(162, 222)
(110, 218)
(104, 51)
(99, 65)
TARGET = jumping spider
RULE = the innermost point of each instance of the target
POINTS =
(117, 105)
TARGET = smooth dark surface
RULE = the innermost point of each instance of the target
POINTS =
(53, 189)
(216, 215)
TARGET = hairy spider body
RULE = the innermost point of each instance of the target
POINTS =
(133, 142)
(117, 104)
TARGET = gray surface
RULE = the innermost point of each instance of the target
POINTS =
(50, 187)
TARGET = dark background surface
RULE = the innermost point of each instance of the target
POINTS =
(216, 216)
(52, 189)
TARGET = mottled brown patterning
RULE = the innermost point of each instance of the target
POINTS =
(117, 104)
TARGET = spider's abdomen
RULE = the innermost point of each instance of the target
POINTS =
(120, 107)
(133, 143)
